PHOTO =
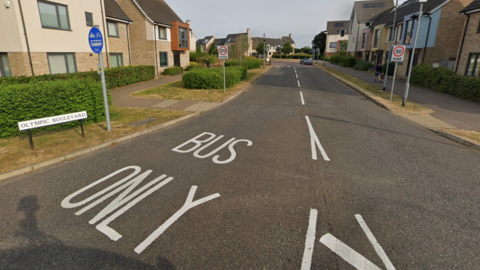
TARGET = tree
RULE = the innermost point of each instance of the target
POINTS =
(260, 48)
(307, 50)
(213, 50)
(343, 47)
(287, 48)
(239, 48)
(319, 41)
(199, 49)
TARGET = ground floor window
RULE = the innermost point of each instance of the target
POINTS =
(473, 65)
(116, 59)
(5, 65)
(163, 59)
(359, 54)
(61, 63)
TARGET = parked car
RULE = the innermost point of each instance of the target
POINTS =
(306, 61)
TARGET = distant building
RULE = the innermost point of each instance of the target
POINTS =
(337, 37)
(273, 45)
(468, 62)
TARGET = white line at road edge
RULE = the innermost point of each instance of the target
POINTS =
(376, 245)
(347, 253)
(301, 96)
(298, 83)
(310, 240)
(314, 140)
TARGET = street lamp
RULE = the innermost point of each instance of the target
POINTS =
(412, 56)
(391, 47)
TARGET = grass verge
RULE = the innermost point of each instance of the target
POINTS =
(468, 135)
(176, 91)
(15, 152)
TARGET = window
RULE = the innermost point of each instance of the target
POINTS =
(162, 33)
(359, 54)
(5, 66)
(61, 63)
(377, 37)
(54, 16)
(478, 31)
(389, 35)
(473, 65)
(342, 33)
(338, 24)
(112, 29)
(89, 18)
(408, 32)
(163, 59)
(183, 37)
(399, 32)
(332, 45)
(367, 24)
(364, 40)
(116, 59)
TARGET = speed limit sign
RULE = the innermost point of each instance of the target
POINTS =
(398, 53)
(223, 52)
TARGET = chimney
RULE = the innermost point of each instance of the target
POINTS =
(248, 32)
(188, 22)
(290, 35)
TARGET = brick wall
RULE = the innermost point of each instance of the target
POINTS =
(120, 44)
(19, 64)
(472, 41)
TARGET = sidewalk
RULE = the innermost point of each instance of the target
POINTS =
(121, 98)
(452, 112)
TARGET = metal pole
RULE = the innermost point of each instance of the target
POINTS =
(412, 56)
(104, 88)
(393, 82)
(30, 139)
(81, 124)
(224, 76)
(391, 47)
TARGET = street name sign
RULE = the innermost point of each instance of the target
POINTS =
(53, 120)
(398, 53)
(95, 40)
(223, 52)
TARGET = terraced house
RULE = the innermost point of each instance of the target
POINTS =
(468, 62)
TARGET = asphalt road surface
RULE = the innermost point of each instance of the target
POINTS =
(298, 172)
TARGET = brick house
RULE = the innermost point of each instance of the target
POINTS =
(228, 41)
(468, 55)
(158, 36)
(48, 37)
(337, 34)
(118, 33)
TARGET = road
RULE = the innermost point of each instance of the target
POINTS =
(298, 172)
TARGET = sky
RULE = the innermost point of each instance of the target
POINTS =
(276, 18)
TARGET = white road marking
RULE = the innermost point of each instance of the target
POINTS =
(348, 254)
(301, 96)
(288, 66)
(298, 83)
(296, 75)
(189, 204)
(314, 140)
(376, 245)
(310, 240)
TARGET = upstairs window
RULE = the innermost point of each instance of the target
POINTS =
(162, 33)
(408, 32)
(89, 18)
(53, 16)
(183, 37)
(377, 37)
(112, 29)
(364, 40)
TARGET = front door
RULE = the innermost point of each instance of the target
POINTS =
(176, 58)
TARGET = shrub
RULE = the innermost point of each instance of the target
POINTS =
(248, 63)
(343, 60)
(212, 78)
(192, 67)
(194, 56)
(114, 77)
(391, 68)
(446, 81)
(363, 65)
(172, 71)
(299, 56)
(27, 101)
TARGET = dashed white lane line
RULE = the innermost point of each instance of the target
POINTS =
(310, 240)
(315, 141)
(301, 96)
(296, 76)
(376, 245)
(298, 83)
(347, 253)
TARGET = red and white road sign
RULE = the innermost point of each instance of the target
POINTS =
(223, 52)
(398, 53)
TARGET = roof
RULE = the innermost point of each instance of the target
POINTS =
(412, 7)
(269, 41)
(366, 10)
(337, 26)
(383, 17)
(287, 39)
(158, 11)
(199, 42)
(231, 38)
(219, 41)
(114, 11)
(475, 5)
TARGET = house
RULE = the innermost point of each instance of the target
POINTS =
(48, 37)
(118, 33)
(289, 38)
(377, 46)
(230, 40)
(468, 62)
(158, 36)
(193, 39)
(361, 19)
(205, 43)
(337, 36)
(273, 45)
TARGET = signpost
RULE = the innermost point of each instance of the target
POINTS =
(223, 55)
(95, 40)
(398, 54)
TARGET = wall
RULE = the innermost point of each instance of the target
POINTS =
(337, 39)
(11, 29)
(472, 39)
(119, 44)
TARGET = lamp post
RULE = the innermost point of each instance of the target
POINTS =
(412, 55)
(391, 47)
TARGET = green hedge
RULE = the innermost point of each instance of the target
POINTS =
(172, 71)
(30, 101)
(343, 60)
(115, 77)
(248, 63)
(391, 68)
(363, 65)
(192, 67)
(299, 56)
(446, 81)
(212, 78)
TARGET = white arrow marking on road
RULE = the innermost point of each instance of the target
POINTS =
(310, 240)
(301, 96)
(376, 245)
(315, 141)
(347, 253)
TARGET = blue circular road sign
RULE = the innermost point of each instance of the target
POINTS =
(95, 40)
